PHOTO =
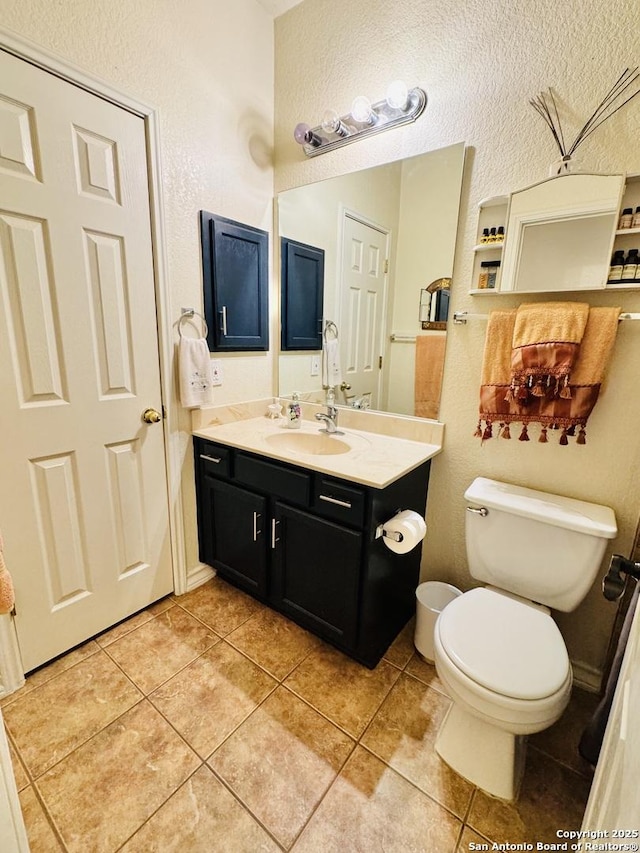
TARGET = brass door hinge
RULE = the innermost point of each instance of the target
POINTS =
(386, 265)
(380, 363)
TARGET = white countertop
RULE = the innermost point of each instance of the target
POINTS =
(373, 459)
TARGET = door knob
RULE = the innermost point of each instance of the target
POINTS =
(151, 416)
(345, 386)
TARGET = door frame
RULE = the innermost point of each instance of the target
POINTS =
(11, 670)
(345, 213)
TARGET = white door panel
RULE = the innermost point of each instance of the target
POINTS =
(362, 310)
(83, 495)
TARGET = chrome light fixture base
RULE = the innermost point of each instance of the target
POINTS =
(385, 117)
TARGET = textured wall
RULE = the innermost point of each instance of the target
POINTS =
(480, 61)
(207, 66)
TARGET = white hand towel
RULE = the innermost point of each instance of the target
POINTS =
(194, 371)
(331, 370)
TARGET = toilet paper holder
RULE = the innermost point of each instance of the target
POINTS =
(389, 534)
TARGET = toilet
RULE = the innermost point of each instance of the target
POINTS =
(498, 652)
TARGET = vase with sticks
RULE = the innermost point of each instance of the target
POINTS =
(623, 90)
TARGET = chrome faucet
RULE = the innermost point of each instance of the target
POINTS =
(330, 417)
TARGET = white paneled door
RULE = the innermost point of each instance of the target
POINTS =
(83, 488)
(364, 258)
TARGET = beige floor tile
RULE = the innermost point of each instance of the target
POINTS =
(275, 643)
(201, 817)
(64, 712)
(400, 651)
(344, 691)
(208, 699)
(371, 808)
(134, 622)
(468, 838)
(42, 838)
(50, 670)
(552, 797)
(220, 605)
(425, 672)
(561, 740)
(20, 775)
(104, 791)
(403, 733)
(159, 648)
(281, 761)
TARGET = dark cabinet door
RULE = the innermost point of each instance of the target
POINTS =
(302, 295)
(233, 524)
(316, 573)
(235, 271)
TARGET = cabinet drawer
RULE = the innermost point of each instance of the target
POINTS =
(334, 499)
(276, 480)
(213, 459)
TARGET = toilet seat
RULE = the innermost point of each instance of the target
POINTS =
(505, 645)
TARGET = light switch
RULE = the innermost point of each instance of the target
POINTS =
(216, 371)
(315, 365)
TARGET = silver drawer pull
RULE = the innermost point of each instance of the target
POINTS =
(210, 458)
(335, 501)
(256, 532)
(483, 511)
(274, 539)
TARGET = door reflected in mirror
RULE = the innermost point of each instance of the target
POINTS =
(387, 239)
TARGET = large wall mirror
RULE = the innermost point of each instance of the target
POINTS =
(371, 253)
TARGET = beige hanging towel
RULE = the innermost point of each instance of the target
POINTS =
(429, 370)
(7, 596)
(557, 404)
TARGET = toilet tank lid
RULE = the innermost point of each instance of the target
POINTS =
(583, 517)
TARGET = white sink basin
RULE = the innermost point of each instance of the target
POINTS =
(309, 443)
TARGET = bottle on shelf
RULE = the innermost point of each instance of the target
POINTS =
(500, 234)
(617, 265)
(635, 222)
(626, 219)
(492, 235)
(630, 268)
(488, 275)
(485, 236)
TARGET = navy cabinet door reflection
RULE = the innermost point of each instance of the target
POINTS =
(302, 294)
(235, 278)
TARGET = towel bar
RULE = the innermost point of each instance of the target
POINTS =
(460, 317)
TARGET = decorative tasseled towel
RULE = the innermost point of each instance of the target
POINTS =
(533, 382)
(7, 596)
(429, 369)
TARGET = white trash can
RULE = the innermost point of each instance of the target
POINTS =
(431, 598)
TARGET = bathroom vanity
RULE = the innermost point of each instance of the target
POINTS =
(285, 516)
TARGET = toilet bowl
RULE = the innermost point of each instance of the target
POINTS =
(508, 674)
(498, 651)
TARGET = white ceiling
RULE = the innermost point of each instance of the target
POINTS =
(278, 7)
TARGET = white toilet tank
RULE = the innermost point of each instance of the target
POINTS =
(539, 546)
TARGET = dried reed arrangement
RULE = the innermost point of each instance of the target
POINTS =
(545, 105)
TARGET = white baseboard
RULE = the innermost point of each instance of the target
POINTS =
(199, 574)
(587, 677)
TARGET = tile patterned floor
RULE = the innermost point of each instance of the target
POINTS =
(210, 723)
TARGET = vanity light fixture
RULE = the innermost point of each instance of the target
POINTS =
(400, 106)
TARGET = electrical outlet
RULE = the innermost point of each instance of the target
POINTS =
(216, 371)
(315, 365)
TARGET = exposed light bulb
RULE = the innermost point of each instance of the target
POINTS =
(332, 123)
(398, 95)
(361, 111)
(303, 134)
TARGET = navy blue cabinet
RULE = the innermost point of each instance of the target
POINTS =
(235, 269)
(302, 289)
(305, 543)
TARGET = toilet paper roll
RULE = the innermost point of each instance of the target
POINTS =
(412, 527)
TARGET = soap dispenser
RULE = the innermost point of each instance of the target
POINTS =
(294, 416)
